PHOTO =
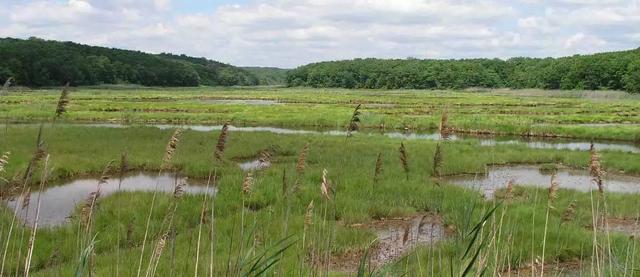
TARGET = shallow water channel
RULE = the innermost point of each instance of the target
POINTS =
(57, 203)
(497, 177)
(536, 143)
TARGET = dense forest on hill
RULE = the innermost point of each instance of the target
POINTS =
(36, 62)
(269, 76)
(614, 70)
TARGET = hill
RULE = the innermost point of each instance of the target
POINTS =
(614, 70)
(37, 62)
(269, 76)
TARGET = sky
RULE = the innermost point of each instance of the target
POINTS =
(290, 33)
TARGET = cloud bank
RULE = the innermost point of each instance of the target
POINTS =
(288, 33)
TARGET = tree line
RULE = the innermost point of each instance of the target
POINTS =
(614, 70)
(36, 62)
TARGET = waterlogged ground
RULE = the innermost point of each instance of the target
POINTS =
(542, 113)
(483, 140)
(411, 221)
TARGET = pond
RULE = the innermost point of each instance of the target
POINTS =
(59, 202)
(497, 177)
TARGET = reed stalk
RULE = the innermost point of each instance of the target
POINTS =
(32, 239)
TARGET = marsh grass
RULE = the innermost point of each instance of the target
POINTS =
(501, 242)
(557, 113)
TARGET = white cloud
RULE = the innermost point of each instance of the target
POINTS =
(293, 32)
(583, 43)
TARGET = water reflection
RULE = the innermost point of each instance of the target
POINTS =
(59, 202)
(498, 176)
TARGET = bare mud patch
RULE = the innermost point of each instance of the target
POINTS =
(397, 237)
(627, 226)
(564, 268)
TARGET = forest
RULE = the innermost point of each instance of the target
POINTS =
(36, 62)
(614, 71)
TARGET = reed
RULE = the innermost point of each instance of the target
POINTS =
(595, 169)
(34, 228)
(201, 221)
(445, 130)
(354, 122)
(300, 166)
(222, 140)
(4, 161)
(5, 87)
(166, 227)
(569, 213)
(38, 155)
(438, 159)
(170, 149)
(246, 190)
(63, 102)
(600, 217)
(378, 170)
(551, 197)
(404, 160)
(308, 222)
(172, 145)
(325, 187)
(122, 169)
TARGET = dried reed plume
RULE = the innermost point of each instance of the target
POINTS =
(88, 206)
(26, 198)
(179, 191)
(123, 167)
(265, 157)
(553, 195)
(569, 212)
(300, 166)
(4, 160)
(325, 187)
(302, 159)
(445, 130)
(308, 216)
(404, 159)
(553, 190)
(437, 161)
(378, 171)
(63, 102)
(222, 140)
(6, 85)
(157, 253)
(247, 183)
(508, 193)
(595, 169)
(354, 122)
(170, 149)
(105, 176)
(90, 203)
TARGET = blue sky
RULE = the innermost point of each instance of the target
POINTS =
(194, 6)
(289, 33)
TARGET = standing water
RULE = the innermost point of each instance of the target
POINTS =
(497, 177)
(57, 203)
